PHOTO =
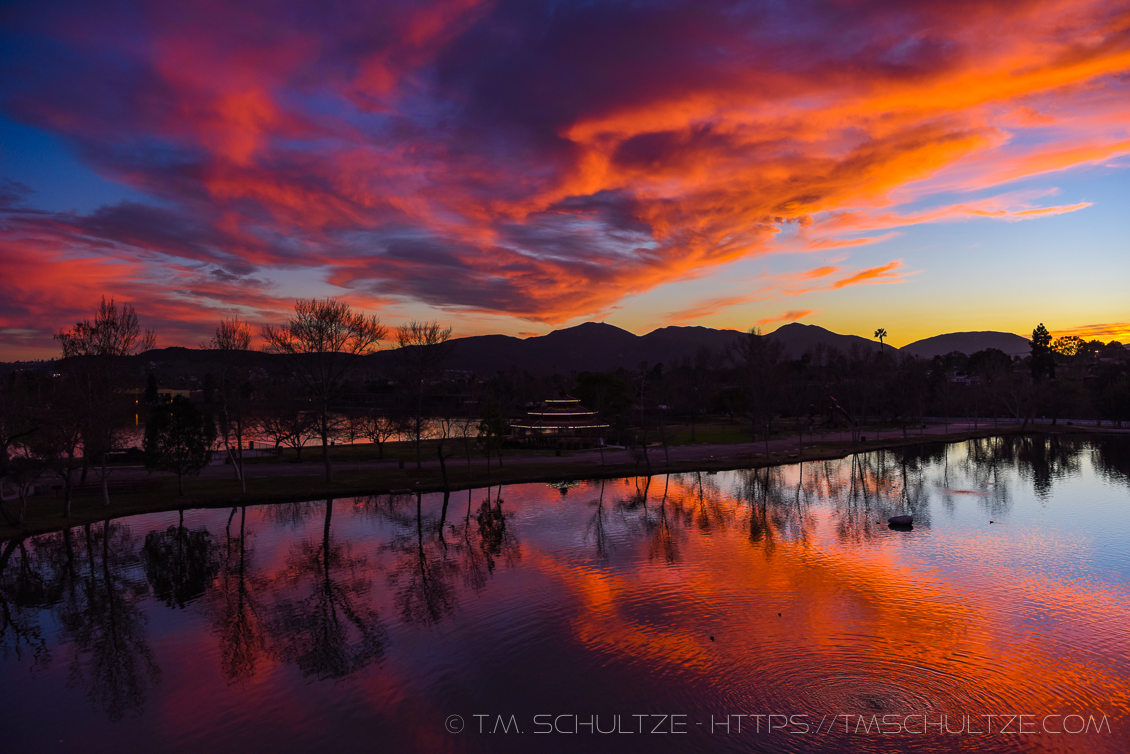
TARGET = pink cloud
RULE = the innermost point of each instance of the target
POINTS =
(541, 165)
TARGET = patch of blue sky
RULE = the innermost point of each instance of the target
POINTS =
(60, 182)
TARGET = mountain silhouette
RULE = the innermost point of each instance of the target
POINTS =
(968, 343)
(591, 346)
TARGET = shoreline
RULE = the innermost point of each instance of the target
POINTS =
(44, 516)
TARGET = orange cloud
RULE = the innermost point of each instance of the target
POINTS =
(711, 306)
(1119, 331)
(462, 155)
(883, 274)
(790, 316)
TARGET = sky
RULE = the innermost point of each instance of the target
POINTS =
(518, 167)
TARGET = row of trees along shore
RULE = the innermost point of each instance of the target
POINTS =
(64, 423)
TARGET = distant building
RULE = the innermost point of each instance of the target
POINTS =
(560, 422)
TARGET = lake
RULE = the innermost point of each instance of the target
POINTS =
(763, 610)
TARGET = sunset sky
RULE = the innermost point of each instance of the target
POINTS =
(522, 166)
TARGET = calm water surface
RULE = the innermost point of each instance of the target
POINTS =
(366, 624)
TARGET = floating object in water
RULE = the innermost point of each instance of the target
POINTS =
(712, 638)
(900, 520)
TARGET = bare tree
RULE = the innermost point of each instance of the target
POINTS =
(286, 419)
(422, 347)
(757, 359)
(232, 341)
(381, 426)
(18, 425)
(96, 348)
(321, 341)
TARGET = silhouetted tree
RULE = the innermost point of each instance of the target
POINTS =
(1042, 359)
(231, 343)
(756, 358)
(492, 432)
(93, 350)
(285, 418)
(178, 438)
(422, 349)
(320, 342)
(379, 426)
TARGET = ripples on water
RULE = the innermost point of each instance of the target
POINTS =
(364, 624)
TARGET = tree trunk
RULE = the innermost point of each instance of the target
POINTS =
(442, 463)
(443, 512)
(326, 443)
(105, 483)
(419, 420)
(67, 486)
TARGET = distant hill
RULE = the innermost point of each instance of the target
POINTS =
(592, 346)
(799, 339)
(968, 343)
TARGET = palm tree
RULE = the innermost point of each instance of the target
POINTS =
(880, 334)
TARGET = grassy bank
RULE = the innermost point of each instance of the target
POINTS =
(291, 482)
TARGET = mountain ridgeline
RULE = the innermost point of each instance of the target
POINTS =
(596, 346)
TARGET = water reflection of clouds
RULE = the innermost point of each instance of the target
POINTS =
(810, 598)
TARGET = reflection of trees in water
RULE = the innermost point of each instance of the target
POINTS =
(180, 563)
(883, 484)
(1040, 458)
(1111, 457)
(430, 552)
(703, 502)
(987, 467)
(597, 529)
(87, 578)
(328, 629)
(634, 514)
(496, 541)
(756, 488)
(684, 500)
(423, 571)
(235, 605)
(293, 515)
(777, 510)
(100, 617)
(856, 510)
(1045, 459)
(23, 593)
(661, 523)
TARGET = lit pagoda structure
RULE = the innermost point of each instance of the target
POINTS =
(560, 422)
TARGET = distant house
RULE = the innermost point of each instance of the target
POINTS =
(560, 422)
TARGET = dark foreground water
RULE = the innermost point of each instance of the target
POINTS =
(742, 611)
